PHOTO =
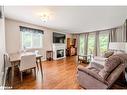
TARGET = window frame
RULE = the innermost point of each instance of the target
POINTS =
(31, 43)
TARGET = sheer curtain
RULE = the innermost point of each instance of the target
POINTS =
(91, 43)
(83, 43)
(112, 35)
(121, 34)
(97, 42)
(96, 46)
(103, 41)
(86, 43)
(94, 43)
(118, 34)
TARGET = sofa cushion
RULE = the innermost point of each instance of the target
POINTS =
(112, 62)
(91, 71)
(110, 65)
(108, 54)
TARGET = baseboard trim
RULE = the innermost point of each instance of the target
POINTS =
(43, 60)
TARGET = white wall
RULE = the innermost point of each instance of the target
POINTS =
(2, 45)
(13, 41)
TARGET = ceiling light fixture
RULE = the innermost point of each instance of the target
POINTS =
(44, 17)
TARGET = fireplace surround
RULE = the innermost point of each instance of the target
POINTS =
(59, 51)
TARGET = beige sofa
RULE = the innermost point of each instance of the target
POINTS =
(96, 76)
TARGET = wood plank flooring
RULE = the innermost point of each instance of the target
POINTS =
(59, 74)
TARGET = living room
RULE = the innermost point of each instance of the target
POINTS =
(66, 43)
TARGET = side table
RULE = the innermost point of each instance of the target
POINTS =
(84, 58)
(49, 55)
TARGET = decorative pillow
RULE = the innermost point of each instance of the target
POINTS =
(111, 64)
(108, 54)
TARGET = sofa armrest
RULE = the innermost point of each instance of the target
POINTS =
(96, 65)
(99, 58)
(115, 74)
(91, 73)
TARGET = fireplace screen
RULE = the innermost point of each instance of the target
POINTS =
(60, 53)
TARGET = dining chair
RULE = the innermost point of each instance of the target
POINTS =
(27, 62)
(36, 52)
(37, 61)
(7, 67)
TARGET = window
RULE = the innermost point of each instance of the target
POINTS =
(31, 38)
(91, 43)
(103, 41)
(81, 45)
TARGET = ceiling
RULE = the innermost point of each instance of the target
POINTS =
(71, 19)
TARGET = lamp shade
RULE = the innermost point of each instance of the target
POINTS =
(122, 46)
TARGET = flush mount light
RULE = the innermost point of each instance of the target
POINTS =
(44, 17)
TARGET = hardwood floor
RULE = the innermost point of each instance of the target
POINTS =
(59, 74)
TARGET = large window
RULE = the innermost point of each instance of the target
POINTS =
(103, 41)
(31, 38)
(91, 43)
(81, 44)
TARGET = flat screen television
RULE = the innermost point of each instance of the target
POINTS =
(58, 37)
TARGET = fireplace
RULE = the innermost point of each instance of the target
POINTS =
(60, 53)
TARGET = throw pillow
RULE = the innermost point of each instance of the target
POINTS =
(108, 54)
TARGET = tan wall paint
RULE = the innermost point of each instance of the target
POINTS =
(13, 40)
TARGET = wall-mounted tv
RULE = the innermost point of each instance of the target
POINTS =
(58, 37)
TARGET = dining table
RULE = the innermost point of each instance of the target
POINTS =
(15, 59)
